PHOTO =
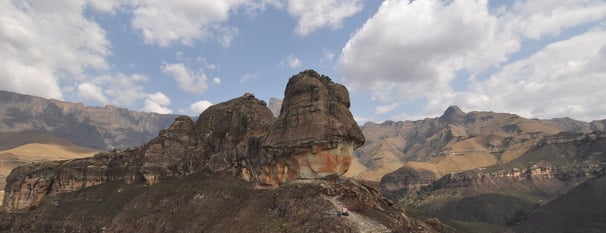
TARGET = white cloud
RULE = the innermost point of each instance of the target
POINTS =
(162, 22)
(199, 106)
(327, 56)
(386, 108)
(247, 77)
(226, 36)
(90, 91)
(535, 19)
(205, 63)
(43, 42)
(566, 78)
(217, 80)
(414, 50)
(291, 61)
(157, 103)
(188, 80)
(315, 14)
(119, 89)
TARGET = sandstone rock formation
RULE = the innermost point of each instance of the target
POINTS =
(209, 203)
(315, 127)
(313, 138)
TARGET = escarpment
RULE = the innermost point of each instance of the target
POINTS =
(313, 138)
(554, 165)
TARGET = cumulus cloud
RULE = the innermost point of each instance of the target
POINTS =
(535, 19)
(291, 61)
(90, 91)
(415, 50)
(315, 14)
(119, 89)
(199, 106)
(42, 42)
(386, 108)
(187, 79)
(166, 22)
(157, 102)
(217, 80)
(566, 78)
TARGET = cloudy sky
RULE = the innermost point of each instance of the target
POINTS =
(401, 60)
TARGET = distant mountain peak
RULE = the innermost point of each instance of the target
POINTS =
(452, 114)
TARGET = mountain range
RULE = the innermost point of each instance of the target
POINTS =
(454, 167)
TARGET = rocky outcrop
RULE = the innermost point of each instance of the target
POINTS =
(313, 138)
(567, 159)
(101, 128)
(315, 127)
(499, 137)
(208, 203)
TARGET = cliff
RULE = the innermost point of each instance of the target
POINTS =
(187, 174)
(479, 139)
(100, 128)
(546, 172)
(313, 138)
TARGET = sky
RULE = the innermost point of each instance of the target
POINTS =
(400, 59)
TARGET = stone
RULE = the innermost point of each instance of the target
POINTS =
(315, 127)
(313, 138)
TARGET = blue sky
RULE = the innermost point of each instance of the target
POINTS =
(400, 60)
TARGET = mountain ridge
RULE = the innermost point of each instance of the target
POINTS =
(94, 127)
(490, 135)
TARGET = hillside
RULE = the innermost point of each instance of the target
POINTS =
(20, 148)
(99, 128)
(505, 194)
(580, 210)
(237, 168)
(457, 141)
(208, 203)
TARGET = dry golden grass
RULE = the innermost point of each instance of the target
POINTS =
(32, 152)
(454, 163)
(357, 170)
(38, 151)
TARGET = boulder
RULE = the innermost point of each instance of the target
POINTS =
(315, 127)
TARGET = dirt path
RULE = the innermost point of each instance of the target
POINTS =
(362, 223)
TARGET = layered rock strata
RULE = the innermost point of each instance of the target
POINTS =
(313, 138)
(566, 157)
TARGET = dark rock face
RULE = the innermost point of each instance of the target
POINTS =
(313, 138)
(315, 127)
(208, 203)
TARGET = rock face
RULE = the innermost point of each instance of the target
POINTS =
(313, 138)
(476, 139)
(208, 203)
(101, 128)
(544, 174)
(315, 127)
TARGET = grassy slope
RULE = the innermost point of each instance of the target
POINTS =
(580, 210)
(26, 147)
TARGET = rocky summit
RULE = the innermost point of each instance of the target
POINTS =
(311, 141)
